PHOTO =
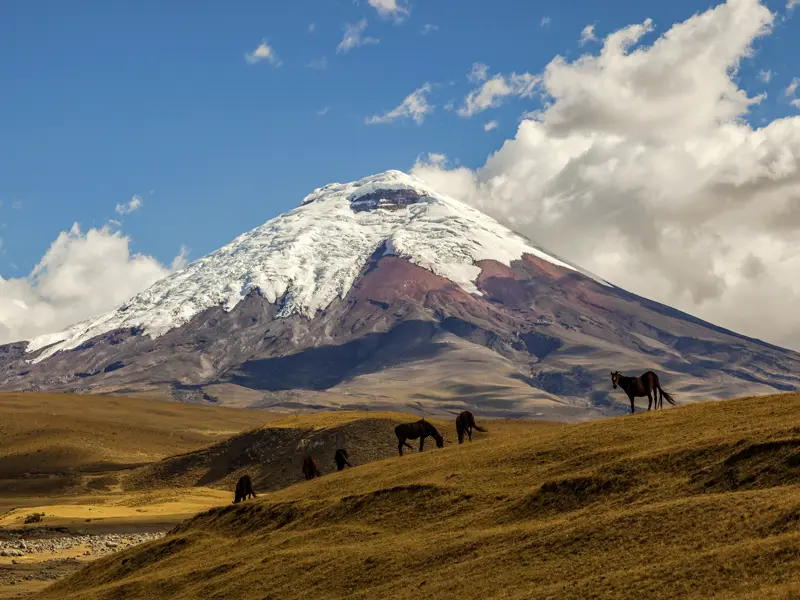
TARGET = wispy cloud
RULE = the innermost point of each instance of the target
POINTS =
(320, 64)
(263, 52)
(429, 28)
(587, 35)
(353, 37)
(396, 10)
(324, 111)
(478, 73)
(791, 4)
(765, 76)
(415, 106)
(17, 205)
(792, 89)
(492, 91)
(312, 28)
(490, 125)
(545, 22)
(134, 204)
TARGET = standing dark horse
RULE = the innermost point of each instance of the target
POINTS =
(411, 431)
(244, 488)
(310, 468)
(465, 422)
(340, 458)
(645, 385)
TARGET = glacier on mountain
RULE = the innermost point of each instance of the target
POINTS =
(311, 255)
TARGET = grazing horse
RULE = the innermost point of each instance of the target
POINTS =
(645, 385)
(244, 488)
(419, 429)
(310, 468)
(340, 458)
(465, 422)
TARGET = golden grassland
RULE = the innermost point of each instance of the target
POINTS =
(59, 443)
(696, 502)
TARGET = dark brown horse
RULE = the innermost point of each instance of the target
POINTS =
(645, 385)
(310, 468)
(466, 422)
(340, 458)
(419, 429)
(244, 488)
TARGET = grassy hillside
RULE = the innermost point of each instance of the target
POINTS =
(59, 443)
(692, 502)
(273, 454)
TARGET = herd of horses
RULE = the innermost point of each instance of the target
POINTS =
(646, 384)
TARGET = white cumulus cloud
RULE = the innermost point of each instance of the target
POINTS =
(134, 204)
(353, 37)
(640, 167)
(391, 9)
(415, 106)
(263, 52)
(80, 276)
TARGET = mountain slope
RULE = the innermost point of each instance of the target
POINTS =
(697, 502)
(382, 293)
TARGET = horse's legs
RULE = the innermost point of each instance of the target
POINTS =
(421, 443)
(631, 399)
(460, 433)
(469, 432)
(650, 398)
(400, 443)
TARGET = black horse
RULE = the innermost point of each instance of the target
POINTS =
(411, 431)
(310, 468)
(466, 422)
(244, 489)
(340, 458)
(646, 384)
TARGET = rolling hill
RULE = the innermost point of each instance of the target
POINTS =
(58, 443)
(695, 502)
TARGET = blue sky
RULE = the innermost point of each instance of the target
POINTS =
(105, 100)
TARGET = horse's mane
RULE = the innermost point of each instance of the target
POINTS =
(429, 428)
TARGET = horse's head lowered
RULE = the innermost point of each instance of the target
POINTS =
(434, 433)
(615, 378)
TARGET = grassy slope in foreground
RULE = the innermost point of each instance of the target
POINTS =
(676, 504)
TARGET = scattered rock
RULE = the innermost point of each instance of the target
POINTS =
(97, 544)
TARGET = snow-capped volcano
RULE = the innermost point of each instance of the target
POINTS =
(384, 293)
(309, 256)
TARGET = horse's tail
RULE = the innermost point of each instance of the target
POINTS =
(669, 398)
(475, 425)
